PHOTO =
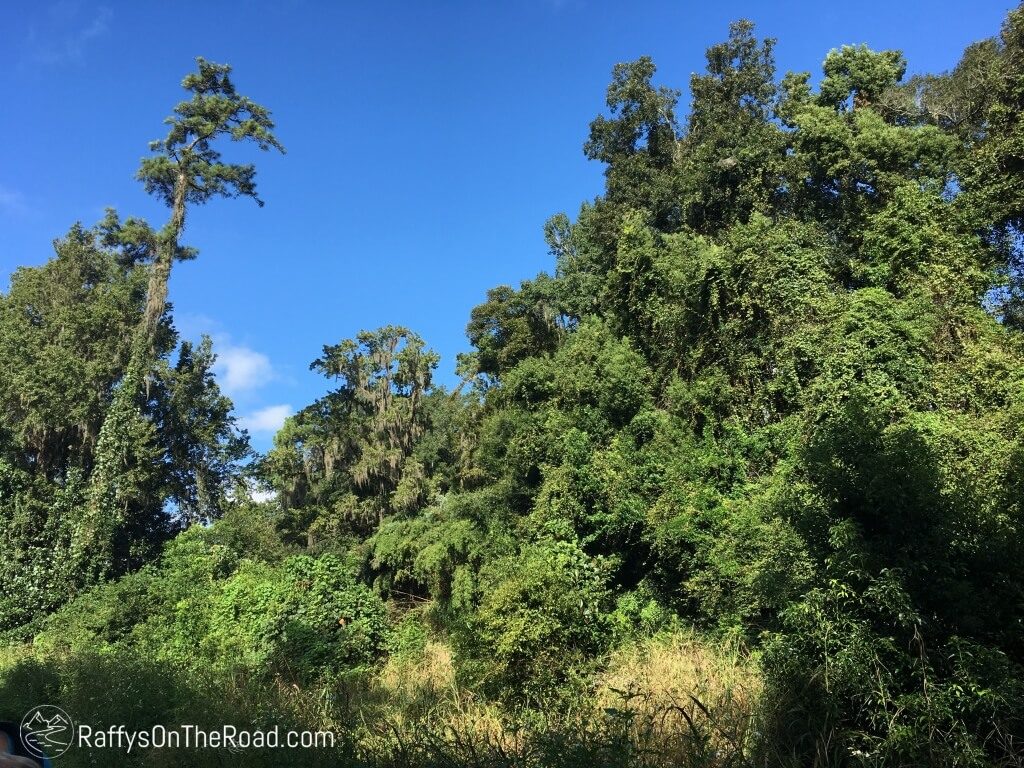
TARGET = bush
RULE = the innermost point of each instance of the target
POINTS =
(542, 615)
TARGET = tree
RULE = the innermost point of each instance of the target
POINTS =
(350, 457)
(733, 152)
(513, 325)
(186, 168)
(66, 340)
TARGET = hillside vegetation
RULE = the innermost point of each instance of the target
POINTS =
(739, 483)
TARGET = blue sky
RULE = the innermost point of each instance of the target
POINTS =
(427, 143)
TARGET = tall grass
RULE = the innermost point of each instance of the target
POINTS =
(670, 701)
(683, 701)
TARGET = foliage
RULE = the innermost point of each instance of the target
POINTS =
(65, 331)
(541, 613)
(765, 413)
(350, 459)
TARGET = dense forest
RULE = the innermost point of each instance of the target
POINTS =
(739, 483)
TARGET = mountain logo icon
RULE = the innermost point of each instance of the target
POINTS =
(47, 731)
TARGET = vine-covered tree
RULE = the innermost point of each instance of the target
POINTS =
(186, 168)
(66, 331)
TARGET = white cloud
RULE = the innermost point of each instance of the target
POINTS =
(266, 420)
(68, 33)
(240, 369)
(253, 490)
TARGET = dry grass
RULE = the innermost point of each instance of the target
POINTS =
(682, 700)
(429, 678)
(671, 701)
(416, 708)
